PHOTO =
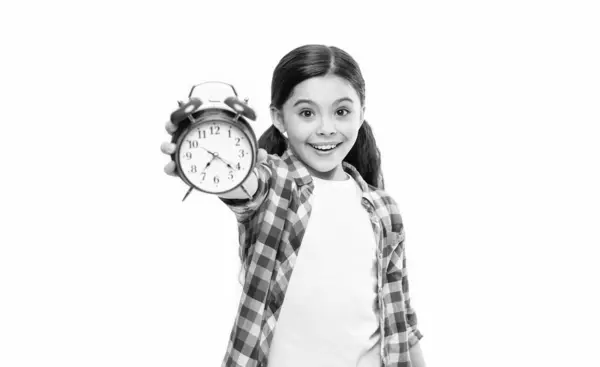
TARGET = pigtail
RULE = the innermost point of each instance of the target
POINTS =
(366, 157)
(273, 141)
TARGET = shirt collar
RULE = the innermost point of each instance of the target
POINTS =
(298, 170)
(366, 189)
(302, 176)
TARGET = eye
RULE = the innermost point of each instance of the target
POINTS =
(306, 113)
(342, 110)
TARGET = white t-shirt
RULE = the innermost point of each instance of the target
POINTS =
(329, 316)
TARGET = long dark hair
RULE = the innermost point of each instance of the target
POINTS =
(310, 61)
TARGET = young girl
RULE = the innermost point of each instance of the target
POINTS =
(321, 243)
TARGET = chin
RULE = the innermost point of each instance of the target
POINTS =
(323, 168)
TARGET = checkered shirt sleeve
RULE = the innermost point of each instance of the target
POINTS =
(403, 319)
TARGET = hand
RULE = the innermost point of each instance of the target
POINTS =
(169, 148)
(261, 156)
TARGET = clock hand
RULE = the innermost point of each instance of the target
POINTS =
(216, 155)
(211, 153)
(191, 187)
(226, 162)
(208, 164)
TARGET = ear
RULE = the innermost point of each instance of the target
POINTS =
(277, 119)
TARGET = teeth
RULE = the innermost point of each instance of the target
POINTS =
(324, 147)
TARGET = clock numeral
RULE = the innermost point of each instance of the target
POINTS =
(193, 168)
(201, 134)
(238, 166)
(193, 143)
(215, 131)
(202, 176)
(216, 179)
(188, 155)
(230, 133)
(237, 142)
(230, 176)
(242, 153)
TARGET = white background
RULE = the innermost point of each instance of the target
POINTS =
(486, 114)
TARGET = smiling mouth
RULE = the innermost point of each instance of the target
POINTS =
(325, 147)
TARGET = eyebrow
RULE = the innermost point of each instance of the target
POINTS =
(311, 102)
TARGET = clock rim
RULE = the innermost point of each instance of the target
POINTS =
(242, 125)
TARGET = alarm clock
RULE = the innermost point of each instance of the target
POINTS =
(216, 148)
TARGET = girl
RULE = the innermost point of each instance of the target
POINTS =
(321, 243)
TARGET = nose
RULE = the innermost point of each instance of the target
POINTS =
(326, 127)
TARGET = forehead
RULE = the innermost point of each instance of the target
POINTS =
(324, 90)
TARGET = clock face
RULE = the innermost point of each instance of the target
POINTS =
(215, 156)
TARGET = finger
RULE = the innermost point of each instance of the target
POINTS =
(170, 127)
(168, 148)
(261, 156)
(171, 169)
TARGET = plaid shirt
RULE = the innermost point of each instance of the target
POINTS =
(271, 226)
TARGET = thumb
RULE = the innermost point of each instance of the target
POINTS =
(261, 156)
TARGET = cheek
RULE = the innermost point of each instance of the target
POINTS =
(349, 130)
(299, 132)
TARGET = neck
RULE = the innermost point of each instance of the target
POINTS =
(336, 174)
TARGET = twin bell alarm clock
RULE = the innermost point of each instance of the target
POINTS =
(216, 148)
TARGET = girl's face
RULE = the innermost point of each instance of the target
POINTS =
(321, 117)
